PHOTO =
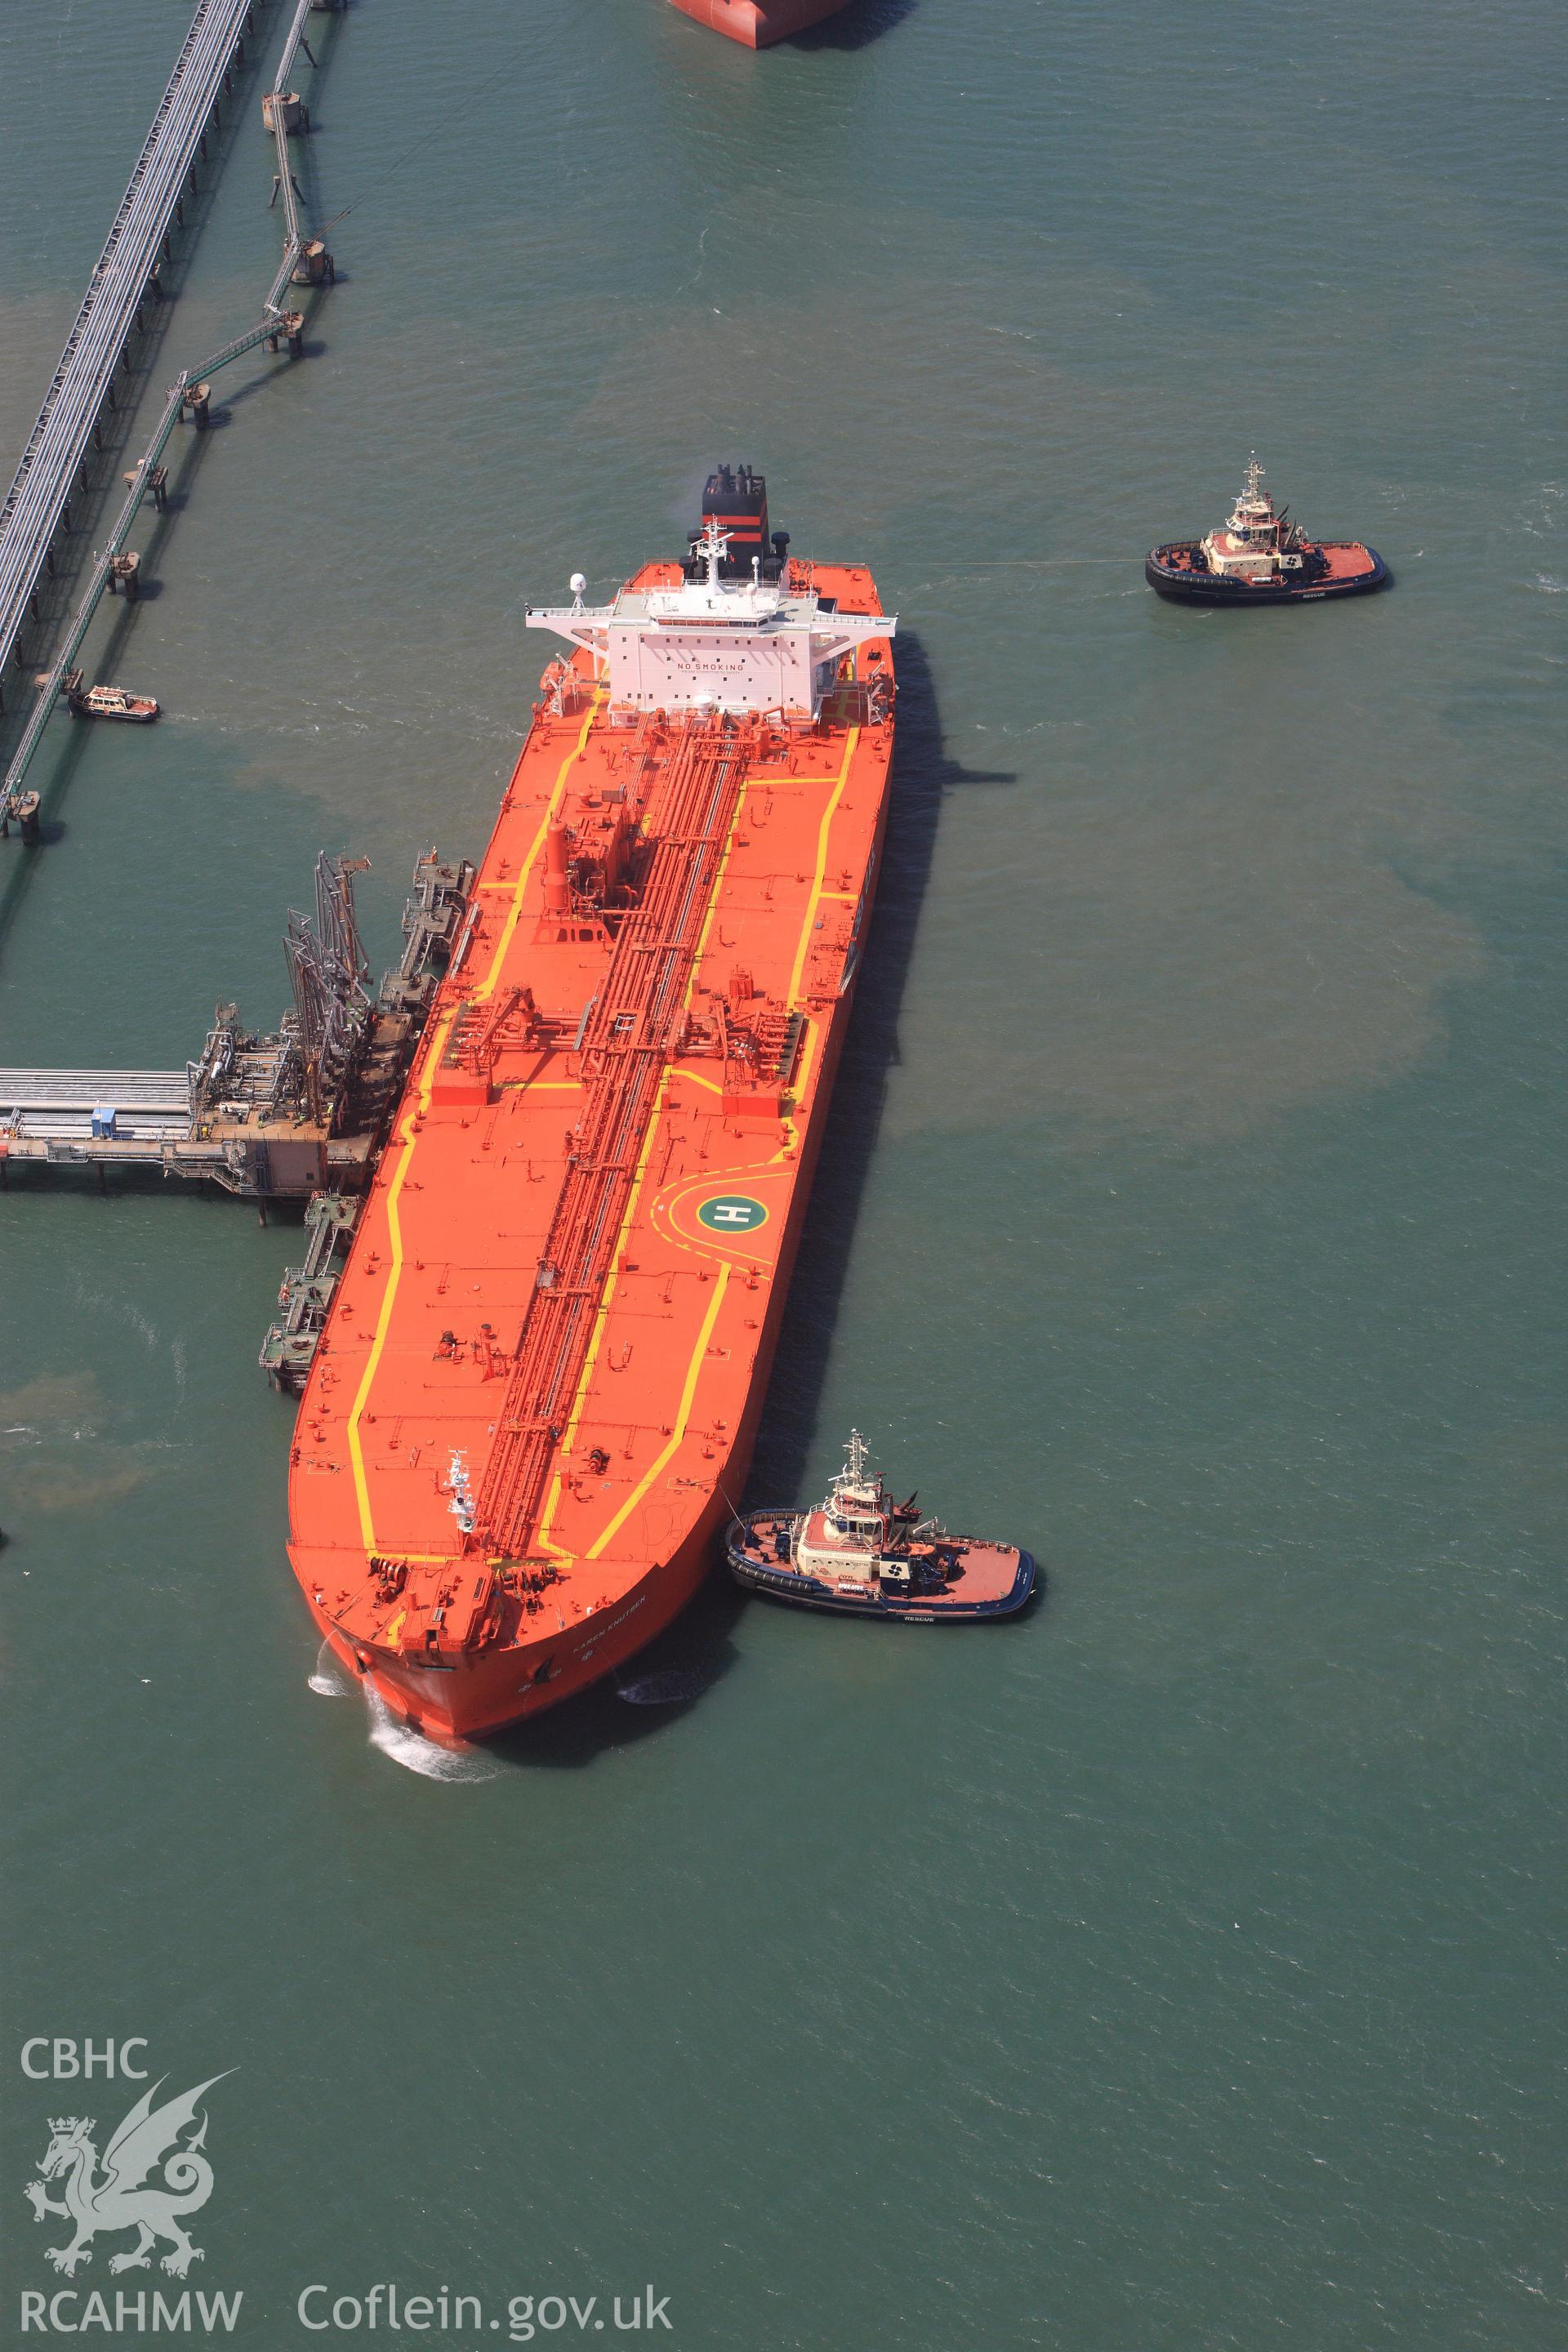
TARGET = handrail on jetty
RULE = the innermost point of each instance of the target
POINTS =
(277, 113)
(125, 276)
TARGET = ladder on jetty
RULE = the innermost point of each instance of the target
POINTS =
(633, 1031)
(84, 380)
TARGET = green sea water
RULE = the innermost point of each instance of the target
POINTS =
(1180, 1967)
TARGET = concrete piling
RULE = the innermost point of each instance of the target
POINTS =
(290, 329)
(315, 266)
(285, 107)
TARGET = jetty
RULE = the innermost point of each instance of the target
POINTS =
(278, 1115)
(124, 280)
(54, 464)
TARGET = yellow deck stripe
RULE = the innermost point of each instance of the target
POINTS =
(723, 1280)
(487, 987)
(693, 1373)
(601, 1316)
(395, 1239)
(406, 1136)
(800, 1085)
(407, 1140)
(817, 890)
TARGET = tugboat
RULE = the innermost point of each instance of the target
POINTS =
(860, 1554)
(1262, 558)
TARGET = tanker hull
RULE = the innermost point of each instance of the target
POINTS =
(487, 1690)
(544, 1369)
(757, 24)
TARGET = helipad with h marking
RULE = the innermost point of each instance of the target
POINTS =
(732, 1213)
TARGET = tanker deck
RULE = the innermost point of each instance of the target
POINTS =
(541, 1379)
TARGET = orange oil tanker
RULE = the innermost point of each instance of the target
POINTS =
(757, 24)
(535, 1398)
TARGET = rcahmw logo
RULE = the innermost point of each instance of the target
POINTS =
(153, 2175)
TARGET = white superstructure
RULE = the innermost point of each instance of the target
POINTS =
(711, 644)
(1255, 543)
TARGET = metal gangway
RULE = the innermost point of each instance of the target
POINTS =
(96, 344)
(74, 1106)
(277, 109)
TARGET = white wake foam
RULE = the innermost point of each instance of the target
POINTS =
(416, 1753)
(327, 1676)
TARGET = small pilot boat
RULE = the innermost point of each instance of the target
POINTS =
(1259, 557)
(113, 702)
(861, 1554)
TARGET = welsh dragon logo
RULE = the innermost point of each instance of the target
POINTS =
(123, 2197)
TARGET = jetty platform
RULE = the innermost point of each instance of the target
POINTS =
(276, 1115)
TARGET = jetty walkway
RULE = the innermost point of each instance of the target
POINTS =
(38, 499)
(126, 275)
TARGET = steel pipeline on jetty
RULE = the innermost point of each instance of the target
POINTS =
(123, 280)
(37, 508)
(268, 1115)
